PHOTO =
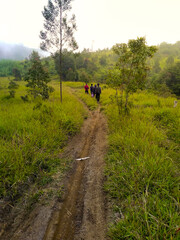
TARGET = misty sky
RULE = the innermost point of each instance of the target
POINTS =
(101, 23)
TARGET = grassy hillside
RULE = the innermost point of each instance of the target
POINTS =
(143, 168)
(32, 135)
(142, 165)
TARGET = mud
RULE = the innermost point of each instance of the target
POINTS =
(82, 213)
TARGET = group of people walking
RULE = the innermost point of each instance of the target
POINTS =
(95, 91)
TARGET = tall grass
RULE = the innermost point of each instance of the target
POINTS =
(142, 165)
(80, 93)
(32, 135)
(143, 168)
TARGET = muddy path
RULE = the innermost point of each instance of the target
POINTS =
(82, 212)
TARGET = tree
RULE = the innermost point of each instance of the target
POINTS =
(102, 61)
(37, 78)
(59, 30)
(169, 61)
(132, 66)
(16, 74)
(84, 76)
(115, 81)
(68, 65)
(156, 67)
(12, 86)
(171, 77)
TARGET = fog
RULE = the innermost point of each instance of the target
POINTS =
(16, 51)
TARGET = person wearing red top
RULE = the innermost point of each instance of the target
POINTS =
(86, 87)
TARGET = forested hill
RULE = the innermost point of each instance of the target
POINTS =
(15, 51)
(167, 54)
(165, 68)
(87, 66)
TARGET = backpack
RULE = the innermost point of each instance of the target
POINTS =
(98, 90)
(91, 88)
(86, 87)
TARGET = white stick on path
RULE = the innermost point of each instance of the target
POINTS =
(80, 159)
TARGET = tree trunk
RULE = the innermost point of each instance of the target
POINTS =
(126, 103)
(117, 102)
(60, 55)
(121, 98)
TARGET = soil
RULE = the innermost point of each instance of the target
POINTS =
(82, 212)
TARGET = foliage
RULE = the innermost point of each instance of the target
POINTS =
(16, 74)
(94, 66)
(131, 69)
(89, 64)
(171, 77)
(37, 78)
(84, 76)
(166, 57)
(69, 71)
(59, 30)
(12, 86)
(7, 66)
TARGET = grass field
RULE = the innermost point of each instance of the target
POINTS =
(32, 134)
(142, 164)
(142, 168)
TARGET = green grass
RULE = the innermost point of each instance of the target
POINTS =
(75, 84)
(142, 168)
(32, 135)
(142, 164)
(79, 92)
(87, 99)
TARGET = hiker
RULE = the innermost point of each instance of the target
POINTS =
(86, 87)
(92, 90)
(98, 92)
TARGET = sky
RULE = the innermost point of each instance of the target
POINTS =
(100, 23)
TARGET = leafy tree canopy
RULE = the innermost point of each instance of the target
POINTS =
(130, 72)
(132, 63)
(37, 77)
(171, 77)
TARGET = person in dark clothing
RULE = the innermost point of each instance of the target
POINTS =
(86, 87)
(98, 92)
(92, 90)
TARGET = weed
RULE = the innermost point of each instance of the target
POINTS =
(60, 192)
(33, 199)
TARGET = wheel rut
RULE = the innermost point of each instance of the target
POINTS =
(83, 213)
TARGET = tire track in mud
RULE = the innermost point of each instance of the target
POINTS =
(82, 214)
(94, 220)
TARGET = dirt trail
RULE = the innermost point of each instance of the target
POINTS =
(82, 212)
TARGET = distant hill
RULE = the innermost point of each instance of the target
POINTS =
(16, 51)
